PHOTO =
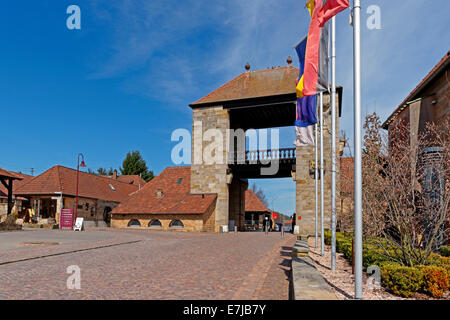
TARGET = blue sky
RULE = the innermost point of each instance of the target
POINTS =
(124, 81)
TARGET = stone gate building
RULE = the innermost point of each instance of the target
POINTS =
(210, 193)
(256, 100)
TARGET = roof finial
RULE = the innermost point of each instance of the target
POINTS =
(247, 66)
(289, 60)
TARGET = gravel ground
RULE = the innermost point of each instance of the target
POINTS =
(342, 279)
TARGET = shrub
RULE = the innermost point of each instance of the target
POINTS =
(445, 251)
(435, 280)
(10, 223)
(403, 281)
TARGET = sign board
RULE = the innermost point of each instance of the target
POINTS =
(79, 224)
(274, 215)
(66, 219)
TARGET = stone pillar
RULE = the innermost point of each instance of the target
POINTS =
(237, 202)
(209, 177)
(59, 207)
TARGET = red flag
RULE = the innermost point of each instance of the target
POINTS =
(330, 9)
(320, 15)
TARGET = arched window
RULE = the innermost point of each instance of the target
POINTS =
(155, 223)
(134, 223)
(176, 224)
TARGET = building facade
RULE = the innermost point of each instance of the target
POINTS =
(55, 189)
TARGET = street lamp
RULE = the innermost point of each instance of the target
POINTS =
(82, 164)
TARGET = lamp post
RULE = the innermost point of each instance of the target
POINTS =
(82, 164)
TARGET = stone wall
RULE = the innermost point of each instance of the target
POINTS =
(192, 223)
(209, 177)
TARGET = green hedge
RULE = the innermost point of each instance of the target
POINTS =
(432, 279)
(403, 281)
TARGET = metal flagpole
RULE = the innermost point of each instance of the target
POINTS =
(357, 147)
(333, 144)
(316, 178)
(322, 241)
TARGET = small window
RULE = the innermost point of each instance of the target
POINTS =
(176, 224)
(155, 223)
(112, 187)
(134, 223)
(179, 180)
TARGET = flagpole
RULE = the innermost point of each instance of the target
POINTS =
(357, 146)
(322, 241)
(316, 173)
(333, 144)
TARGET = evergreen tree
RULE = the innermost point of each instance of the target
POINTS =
(134, 164)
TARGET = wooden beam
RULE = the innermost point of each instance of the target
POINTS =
(2, 180)
(10, 192)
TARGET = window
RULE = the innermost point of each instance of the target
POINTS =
(176, 224)
(112, 187)
(134, 223)
(179, 180)
(155, 223)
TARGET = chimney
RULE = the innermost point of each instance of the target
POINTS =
(115, 174)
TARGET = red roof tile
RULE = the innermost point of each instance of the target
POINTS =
(132, 179)
(16, 184)
(61, 179)
(174, 198)
(8, 174)
(445, 61)
(253, 203)
(254, 84)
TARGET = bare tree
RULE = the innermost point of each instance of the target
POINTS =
(406, 189)
(260, 194)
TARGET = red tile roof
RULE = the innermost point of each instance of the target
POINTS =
(16, 184)
(61, 179)
(132, 179)
(174, 185)
(443, 63)
(8, 174)
(346, 178)
(254, 84)
(253, 203)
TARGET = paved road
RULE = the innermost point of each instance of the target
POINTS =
(138, 264)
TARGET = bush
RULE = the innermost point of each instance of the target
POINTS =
(445, 251)
(435, 280)
(403, 281)
(10, 223)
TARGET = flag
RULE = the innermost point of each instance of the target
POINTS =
(330, 9)
(315, 76)
(304, 136)
(306, 109)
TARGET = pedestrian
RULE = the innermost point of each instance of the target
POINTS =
(293, 222)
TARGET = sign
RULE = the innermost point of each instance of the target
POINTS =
(79, 224)
(274, 215)
(300, 218)
(66, 219)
